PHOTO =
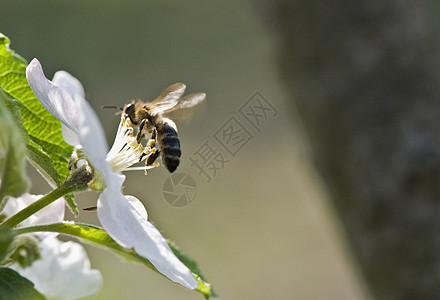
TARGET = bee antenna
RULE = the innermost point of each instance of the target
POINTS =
(112, 106)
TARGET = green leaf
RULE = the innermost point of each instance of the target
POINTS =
(44, 130)
(15, 287)
(13, 179)
(98, 237)
(204, 286)
(42, 163)
(35, 153)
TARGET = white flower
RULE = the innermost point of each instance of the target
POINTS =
(123, 217)
(63, 271)
(52, 213)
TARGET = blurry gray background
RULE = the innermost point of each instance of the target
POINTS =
(262, 227)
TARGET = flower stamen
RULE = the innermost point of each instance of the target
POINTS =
(127, 149)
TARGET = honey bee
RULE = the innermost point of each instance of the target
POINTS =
(151, 123)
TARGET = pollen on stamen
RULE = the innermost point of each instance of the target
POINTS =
(126, 150)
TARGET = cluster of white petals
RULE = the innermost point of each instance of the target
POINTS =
(123, 217)
(63, 271)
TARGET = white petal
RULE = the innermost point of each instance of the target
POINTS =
(13, 206)
(69, 83)
(114, 180)
(91, 136)
(137, 205)
(63, 272)
(69, 136)
(57, 101)
(130, 229)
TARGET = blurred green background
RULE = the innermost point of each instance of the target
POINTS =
(262, 227)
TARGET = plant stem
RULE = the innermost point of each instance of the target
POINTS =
(38, 205)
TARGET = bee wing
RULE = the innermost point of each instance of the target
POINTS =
(168, 98)
(188, 101)
(181, 112)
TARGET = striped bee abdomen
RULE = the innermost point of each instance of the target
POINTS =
(169, 146)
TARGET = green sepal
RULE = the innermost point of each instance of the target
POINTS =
(24, 250)
(15, 287)
(6, 237)
(70, 200)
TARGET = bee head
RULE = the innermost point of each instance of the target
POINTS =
(130, 110)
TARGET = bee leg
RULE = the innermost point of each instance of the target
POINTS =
(140, 133)
(154, 134)
(142, 156)
(152, 158)
(152, 141)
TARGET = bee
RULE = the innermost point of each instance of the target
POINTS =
(151, 123)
